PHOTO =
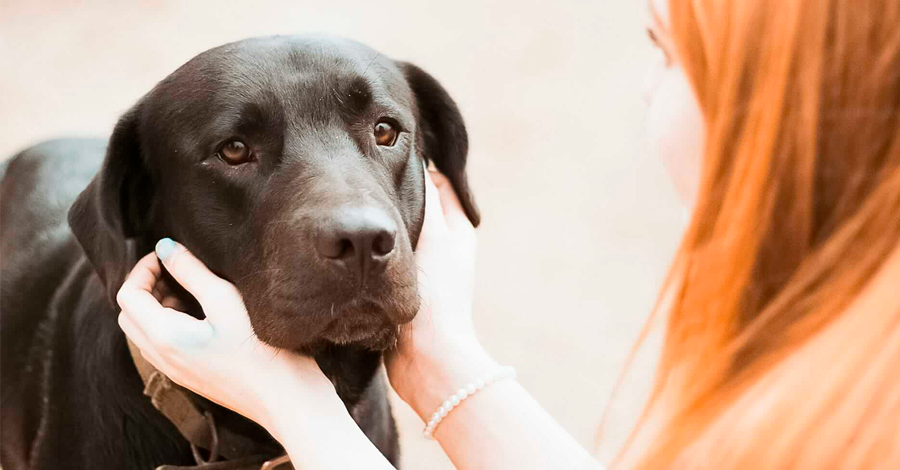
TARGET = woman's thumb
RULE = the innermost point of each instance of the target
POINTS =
(191, 273)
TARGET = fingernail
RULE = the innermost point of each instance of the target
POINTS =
(164, 248)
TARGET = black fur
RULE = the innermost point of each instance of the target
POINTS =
(306, 106)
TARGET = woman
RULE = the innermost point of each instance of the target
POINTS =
(779, 121)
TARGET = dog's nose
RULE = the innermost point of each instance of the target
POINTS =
(361, 239)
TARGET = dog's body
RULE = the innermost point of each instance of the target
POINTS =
(322, 282)
(71, 395)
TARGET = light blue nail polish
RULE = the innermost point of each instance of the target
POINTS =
(164, 248)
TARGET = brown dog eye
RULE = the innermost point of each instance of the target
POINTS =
(235, 153)
(385, 134)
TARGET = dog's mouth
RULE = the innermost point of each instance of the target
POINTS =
(370, 321)
(301, 320)
(368, 331)
(363, 321)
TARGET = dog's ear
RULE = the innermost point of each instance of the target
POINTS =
(114, 207)
(444, 133)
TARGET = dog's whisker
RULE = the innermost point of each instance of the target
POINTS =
(246, 339)
(372, 62)
(337, 95)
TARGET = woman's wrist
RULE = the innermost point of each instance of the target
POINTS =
(296, 396)
(316, 430)
(432, 375)
(293, 421)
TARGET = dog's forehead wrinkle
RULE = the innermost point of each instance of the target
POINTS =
(311, 139)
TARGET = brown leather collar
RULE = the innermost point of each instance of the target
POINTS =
(226, 450)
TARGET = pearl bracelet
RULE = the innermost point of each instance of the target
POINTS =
(463, 393)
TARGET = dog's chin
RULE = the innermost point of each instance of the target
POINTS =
(358, 322)
(373, 339)
(376, 338)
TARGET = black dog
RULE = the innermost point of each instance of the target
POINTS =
(291, 166)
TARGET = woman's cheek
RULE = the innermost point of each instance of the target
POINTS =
(675, 131)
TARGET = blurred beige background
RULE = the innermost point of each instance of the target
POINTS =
(579, 219)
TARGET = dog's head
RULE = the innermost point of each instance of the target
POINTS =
(291, 166)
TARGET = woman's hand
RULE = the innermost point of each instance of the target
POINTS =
(218, 357)
(438, 352)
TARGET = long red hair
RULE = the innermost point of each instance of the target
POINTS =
(782, 347)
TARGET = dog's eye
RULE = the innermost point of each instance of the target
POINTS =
(235, 153)
(385, 134)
